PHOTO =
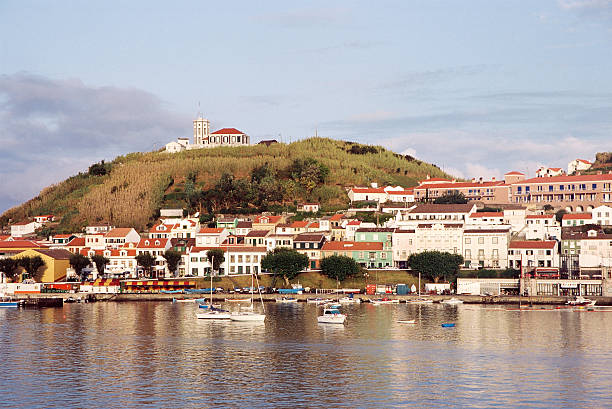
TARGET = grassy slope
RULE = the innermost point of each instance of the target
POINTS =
(140, 183)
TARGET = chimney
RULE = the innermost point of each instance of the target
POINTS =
(473, 180)
(493, 179)
(480, 180)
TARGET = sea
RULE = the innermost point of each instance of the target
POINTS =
(159, 355)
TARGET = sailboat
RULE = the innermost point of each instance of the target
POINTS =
(213, 313)
(247, 314)
(420, 300)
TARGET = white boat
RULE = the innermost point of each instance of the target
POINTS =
(213, 313)
(317, 300)
(349, 300)
(406, 321)
(183, 300)
(580, 301)
(331, 316)
(248, 315)
(238, 300)
(382, 301)
(452, 301)
(286, 300)
(8, 302)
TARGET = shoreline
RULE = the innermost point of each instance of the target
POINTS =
(467, 299)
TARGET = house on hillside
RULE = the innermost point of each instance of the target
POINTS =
(578, 165)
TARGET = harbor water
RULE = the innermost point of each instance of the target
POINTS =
(157, 354)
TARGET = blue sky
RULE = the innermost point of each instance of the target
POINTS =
(477, 87)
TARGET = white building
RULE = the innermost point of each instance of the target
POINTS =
(485, 219)
(578, 165)
(515, 217)
(211, 237)
(544, 172)
(596, 252)
(602, 215)
(24, 228)
(203, 138)
(486, 247)
(533, 254)
(404, 245)
(542, 227)
(436, 236)
(181, 144)
(120, 236)
(576, 219)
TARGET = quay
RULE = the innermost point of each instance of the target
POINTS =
(56, 300)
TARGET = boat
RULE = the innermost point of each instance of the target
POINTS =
(349, 300)
(317, 300)
(331, 316)
(448, 325)
(183, 300)
(248, 315)
(406, 321)
(207, 306)
(212, 312)
(286, 300)
(171, 291)
(7, 302)
(237, 300)
(580, 301)
(452, 301)
(385, 300)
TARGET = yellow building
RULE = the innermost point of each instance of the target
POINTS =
(57, 261)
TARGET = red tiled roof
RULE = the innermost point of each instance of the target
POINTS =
(20, 244)
(401, 192)
(200, 249)
(368, 190)
(299, 224)
(476, 231)
(352, 246)
(62, 236)
(271, 219)
(119, 232)
(246, 249)
(478, 215)
(531, 244)
(555, 169)
(211, 230)
(514, 173)
(540, 216)
(562, 179)
(584, 161)
(152, 243)
(354, 223)
(336, 217)
(77, 242)
(228, 131)
(457, 185)
(314, 225)
(577, 216)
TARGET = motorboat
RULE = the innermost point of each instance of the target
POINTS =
(452, 301)
(406, 321)
(385, 300)
(175, 300)
(286, 300)
(332, 305)
(207, 306)
(331, 316)
(580, 301)
(349, 300)
(238, 300)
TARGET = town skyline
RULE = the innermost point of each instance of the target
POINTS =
(530, 89)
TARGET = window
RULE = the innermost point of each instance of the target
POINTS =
(468, 253)
(467, 240)
(481, 240)
(494, 240)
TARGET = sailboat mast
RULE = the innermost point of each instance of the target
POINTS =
(211, 273)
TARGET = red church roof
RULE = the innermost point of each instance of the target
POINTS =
(228, 131)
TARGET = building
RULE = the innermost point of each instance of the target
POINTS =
(442, 213)
(486, 247)
(267, 222)
(595, 258)
(577, 193)
(544, 172)
(310, 244)
(257, 238)
(203, 138)
(576, 219)
(369, 255)
(244, 260)
(494, 191)
(437, 236)
(542, 227)
(57, 262)
(181, 144)
(533, 254)
(211, 237)
(404, 245)
(156, 248)
(486, 218)
(602, 215)
(383, 235)
(578, 165)
(120, 236)
(24, 228)
(308, 207)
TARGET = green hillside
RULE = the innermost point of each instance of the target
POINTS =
(130, 190)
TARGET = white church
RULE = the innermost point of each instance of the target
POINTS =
(203, 138)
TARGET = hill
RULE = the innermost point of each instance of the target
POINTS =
(130, 190)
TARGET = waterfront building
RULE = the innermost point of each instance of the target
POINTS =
(404, 244)
(122, 262)
(510, 286)
(595, 258)
(486, 247)
(383, 235)
(533, 254)
(244, 260)
(438, 236)
(310, 244)
(366, 254)
(156, 248)
(57, 262)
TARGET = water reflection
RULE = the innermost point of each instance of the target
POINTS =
(159, 354)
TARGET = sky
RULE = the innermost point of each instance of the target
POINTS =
(478, 88)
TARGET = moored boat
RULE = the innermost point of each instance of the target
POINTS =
(7, 302)
(331, 316)
(214, 314)
(384, 300)
(580, 301)
(420, 301)
(286, 300)
(349, 300)
(238, 300)
(317, 300)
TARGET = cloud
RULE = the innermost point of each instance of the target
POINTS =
(592, 9)
(349, 45)
(51, 129)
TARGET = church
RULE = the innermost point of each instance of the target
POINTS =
(203, 138)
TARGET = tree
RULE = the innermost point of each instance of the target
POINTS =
(559, 215)
(287, 263)
(435, 265)
(308, 173)
(339, 267)
(9, 267)
(78, 262)
(146, 261)
(173, 259)
(215, 257)
(548, 207)
(99, 169)
(100, 261)
(451, 198)
(33, 266)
